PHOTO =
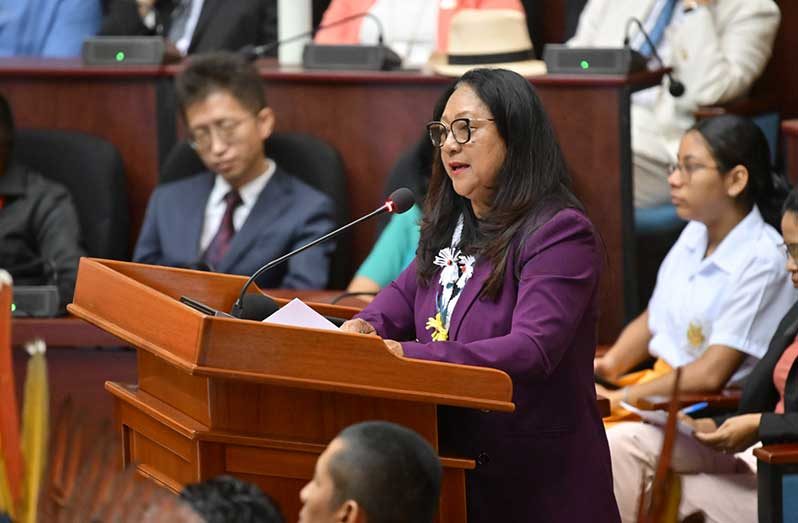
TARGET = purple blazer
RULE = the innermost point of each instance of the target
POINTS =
(549, 460)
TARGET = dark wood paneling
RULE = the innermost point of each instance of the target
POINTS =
(789, 130)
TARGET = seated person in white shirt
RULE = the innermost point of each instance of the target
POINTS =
(721, 290)
(717, 49)
(244, 210)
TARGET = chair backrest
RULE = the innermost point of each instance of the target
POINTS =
(91, 169)
(309, 159)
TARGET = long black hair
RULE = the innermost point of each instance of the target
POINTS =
(736, 140)
(532, 183)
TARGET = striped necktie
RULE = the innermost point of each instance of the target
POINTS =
(220, 243)
(658, 30)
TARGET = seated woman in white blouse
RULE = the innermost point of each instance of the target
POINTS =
(717, 467)
(721, 290)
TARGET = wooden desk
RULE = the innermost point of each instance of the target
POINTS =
(789, 129)
(370, 117)
(67, 331)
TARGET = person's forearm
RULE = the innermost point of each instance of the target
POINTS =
(707, 374)
(631, 347)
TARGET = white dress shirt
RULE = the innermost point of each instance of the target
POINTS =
(735, 297)
(411, 28)
(215, 207)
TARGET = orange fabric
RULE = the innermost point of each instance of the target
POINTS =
(350, 33)
(9, 415)
(618, 414)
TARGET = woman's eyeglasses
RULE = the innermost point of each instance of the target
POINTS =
(790, 250)
(687, 170)
(460, 129)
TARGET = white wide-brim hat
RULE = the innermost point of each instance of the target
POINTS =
(493, 38)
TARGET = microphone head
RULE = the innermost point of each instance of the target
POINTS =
(257, 307)
(400, 200)
(675, 87)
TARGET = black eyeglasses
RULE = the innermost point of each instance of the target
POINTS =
(790, 250)
(460, 129)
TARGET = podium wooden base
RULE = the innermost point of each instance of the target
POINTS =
(259, 401)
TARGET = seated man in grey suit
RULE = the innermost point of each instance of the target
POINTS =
(244, 210)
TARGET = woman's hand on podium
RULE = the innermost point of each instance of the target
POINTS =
(358, 326)
(395, 347)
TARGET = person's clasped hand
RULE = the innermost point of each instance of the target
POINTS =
(359, 326)
(735, 434)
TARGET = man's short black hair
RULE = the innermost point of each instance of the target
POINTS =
(220, 71)
(227, 499)
(391, 471)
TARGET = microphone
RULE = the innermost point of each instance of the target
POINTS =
(675, 87)
(252, 52)
(398, 202)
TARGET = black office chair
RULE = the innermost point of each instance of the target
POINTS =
(309, 159)
(91, 169)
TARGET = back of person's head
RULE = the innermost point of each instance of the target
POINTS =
(737, 141)
(220, 71)
(227, 499)
(6, 132)
(389, 470)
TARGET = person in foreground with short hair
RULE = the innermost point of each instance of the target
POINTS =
(244, 210)
(40, 237)
(374, 472)
(719, 469)
(226, 499)
(507, 276)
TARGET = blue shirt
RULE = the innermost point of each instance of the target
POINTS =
(51, 28)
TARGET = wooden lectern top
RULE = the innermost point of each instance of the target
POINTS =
(139, 304)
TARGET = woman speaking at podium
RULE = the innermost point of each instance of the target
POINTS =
(506, 276)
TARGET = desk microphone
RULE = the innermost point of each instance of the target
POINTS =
(675, 87)
(398, 202)
(252, 52)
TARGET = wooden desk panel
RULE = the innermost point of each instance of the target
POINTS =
(789, 129)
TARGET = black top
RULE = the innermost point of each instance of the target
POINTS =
(222, 25)
(760, 394)
(39, 231)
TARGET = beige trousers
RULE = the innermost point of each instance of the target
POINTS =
(721, 485)
(650, 181)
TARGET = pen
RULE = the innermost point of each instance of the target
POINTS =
(694, 407)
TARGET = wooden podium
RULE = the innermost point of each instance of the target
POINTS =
(227, 396)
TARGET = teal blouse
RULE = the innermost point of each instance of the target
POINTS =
(395, 248)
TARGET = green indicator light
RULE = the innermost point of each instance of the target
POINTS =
(120, 56)
(584, 64)
(13, 307)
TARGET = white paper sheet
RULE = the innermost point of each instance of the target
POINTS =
(659, 418)
(296, 313)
